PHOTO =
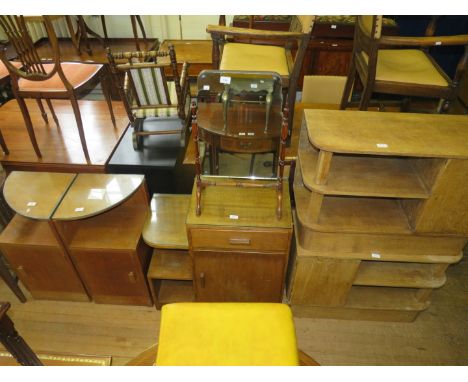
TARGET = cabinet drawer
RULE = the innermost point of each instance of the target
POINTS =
(266, 240)
(248, 145)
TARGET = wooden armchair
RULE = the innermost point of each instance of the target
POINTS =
(402, 71)
(258, 50)
(147, 93)
(48, 79)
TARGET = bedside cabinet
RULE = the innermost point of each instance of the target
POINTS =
(239, 249)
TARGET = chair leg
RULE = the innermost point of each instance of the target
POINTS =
(107, 96)
(365, 97)
(3, 144)
(52, 111)
(43, 112)
(350, 80)
(79, 123)
(291, 103)
(29, 127)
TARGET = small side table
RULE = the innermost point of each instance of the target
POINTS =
(170, 271)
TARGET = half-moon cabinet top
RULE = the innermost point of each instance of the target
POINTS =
(93, 194)
(36, 195)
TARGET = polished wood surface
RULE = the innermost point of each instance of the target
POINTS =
(123, 332)
(165, 226)
(60, 147)
(402, 134)
(240, 207)
(196, 52)
(93, 194)
(238, 247)
(36, 195)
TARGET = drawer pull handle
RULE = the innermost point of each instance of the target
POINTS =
(239, 241)
(202, 279)
(132, 277)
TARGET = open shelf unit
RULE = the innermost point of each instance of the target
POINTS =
(380, 212)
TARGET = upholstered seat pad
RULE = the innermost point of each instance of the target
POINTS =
(228, 334)
(164, 112)
(76, 73)
(4, 71)
(410, 66)
(254, 57)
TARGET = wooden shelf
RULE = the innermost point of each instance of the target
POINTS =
(352, 214)
(170, 265)
(359, 175)
(377, 133)
(176, 291)
(370, 303)
(393, 274)
(397, 248)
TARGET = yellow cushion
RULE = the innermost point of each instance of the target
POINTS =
(227, 334)
(407, 66)
(253, 57)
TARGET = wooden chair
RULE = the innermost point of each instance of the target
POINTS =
(402, 71)
(42, 80)
(256, 51)
(147, 93)
(13, 342)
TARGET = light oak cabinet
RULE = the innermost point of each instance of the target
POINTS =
(239, 249)
(381, 206)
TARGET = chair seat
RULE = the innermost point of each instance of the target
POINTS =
(227, 334)
(4, 71)
(255, 58)
(76, 73)
(165, 112)
(409, 66)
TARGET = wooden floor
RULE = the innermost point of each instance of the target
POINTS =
(439, 336)
(61, 148)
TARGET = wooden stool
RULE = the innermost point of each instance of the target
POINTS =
(227, 334)
(170, 272)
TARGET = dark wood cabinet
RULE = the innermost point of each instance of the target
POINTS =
(238, 276)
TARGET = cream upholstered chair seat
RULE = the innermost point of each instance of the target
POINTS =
(252, 57)
(407, 66)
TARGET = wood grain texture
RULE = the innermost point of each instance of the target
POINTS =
(254, 207)
(165, 226)
(404, 134)
(61, 147)
(94, 194)
(36, 195)
(171, 265)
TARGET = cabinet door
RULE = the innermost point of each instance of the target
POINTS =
(46, 272)
(112, 276)
(238, 276)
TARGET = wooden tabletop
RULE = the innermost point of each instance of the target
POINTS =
(165, 226)
(240, 207)
(36, 195)
(93, 194)
(378, 133)
(192, 51)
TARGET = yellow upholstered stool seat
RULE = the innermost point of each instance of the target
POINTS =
(228, 334)
(255, 58)
(410, 66)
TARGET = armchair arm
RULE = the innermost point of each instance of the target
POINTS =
(254, 33)
(424, 41)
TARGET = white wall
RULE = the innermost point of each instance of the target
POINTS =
(156, 26)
